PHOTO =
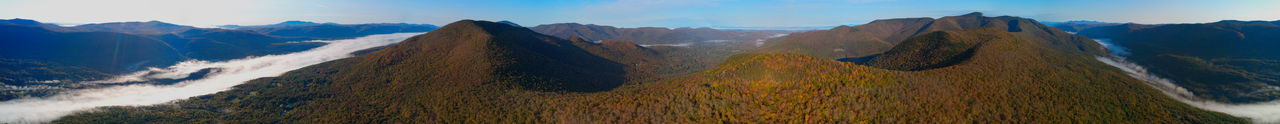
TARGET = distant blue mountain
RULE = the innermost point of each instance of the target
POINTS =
(1076, 22)
(20, 21)
(1078, 25)
(32, 23)
(149, 27)
(293, 23)
(510, 23)
(340, 31)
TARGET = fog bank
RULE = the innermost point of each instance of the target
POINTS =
(224, 75)
(1262, 112)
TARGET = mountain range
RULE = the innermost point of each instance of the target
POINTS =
(277, 25)
(881, 35)
(1078, 25)
(959, 69)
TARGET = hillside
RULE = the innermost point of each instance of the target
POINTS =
(1229, 61)
(879, 36)
(648, 35)
(935, 50)
(463, 73)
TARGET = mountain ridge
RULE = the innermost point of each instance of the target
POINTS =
(881, 35)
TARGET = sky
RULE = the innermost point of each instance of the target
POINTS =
(627, 13)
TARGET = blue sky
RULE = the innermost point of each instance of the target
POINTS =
(628, 13)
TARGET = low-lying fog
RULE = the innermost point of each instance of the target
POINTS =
(223, 76)
(1262, 112)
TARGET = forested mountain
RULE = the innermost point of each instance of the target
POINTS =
(1230, 61)
(486, 72)
(881, 35)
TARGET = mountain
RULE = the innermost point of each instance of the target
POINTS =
(879, 36)
(486, 72)
(199, 43)
(648, 35)
(1229, 61)
(33, 23)
(103, 51)
(150, 27)
(340, 31)
(1108, 31)
(277, 25)
(1079, 25)
(223, 44)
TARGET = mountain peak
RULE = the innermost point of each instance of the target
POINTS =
(486, 26)
(484, 51)
(978, 14)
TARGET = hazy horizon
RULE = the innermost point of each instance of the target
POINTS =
(626, 13)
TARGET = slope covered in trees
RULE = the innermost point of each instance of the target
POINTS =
(1229, 61)
(466, 73)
